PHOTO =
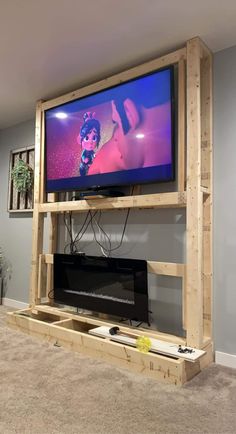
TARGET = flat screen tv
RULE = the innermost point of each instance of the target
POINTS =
(122, 135)
(115, 286)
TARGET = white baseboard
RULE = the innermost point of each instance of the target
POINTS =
(14, 303)
(225, 359)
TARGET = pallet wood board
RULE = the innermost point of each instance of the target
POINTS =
(20, 202)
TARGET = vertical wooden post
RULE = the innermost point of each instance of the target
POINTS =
(37, 232)
(206, 181)
(52, 249)
(194, 296)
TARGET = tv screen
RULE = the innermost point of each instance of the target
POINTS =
(119, 136)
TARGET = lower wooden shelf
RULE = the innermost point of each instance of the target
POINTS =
(72, 332)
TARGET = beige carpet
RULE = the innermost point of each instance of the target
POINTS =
(48, 390)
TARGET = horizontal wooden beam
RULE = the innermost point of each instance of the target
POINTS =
(26, 148)
(99, 322)
(163, 268)
(116, 79)
(159, 200)
(166, 268)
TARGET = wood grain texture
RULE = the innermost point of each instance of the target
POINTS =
(194, 293)
(160, 200)
(38, 218)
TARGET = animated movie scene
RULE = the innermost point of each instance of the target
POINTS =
(124, 128)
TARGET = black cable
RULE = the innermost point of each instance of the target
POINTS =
(121, 240)
(49, 294)
(102, 230)
(108, 251)
(89, 220)
(69, 229)
(77, 239)
(82, 231)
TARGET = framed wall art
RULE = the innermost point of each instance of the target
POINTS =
(21, 180)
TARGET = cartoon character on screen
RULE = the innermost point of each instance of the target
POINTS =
(89, 139)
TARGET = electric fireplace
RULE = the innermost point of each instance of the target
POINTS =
(115, 286)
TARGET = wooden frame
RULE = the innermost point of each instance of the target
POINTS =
(194, 192)
(20, 202)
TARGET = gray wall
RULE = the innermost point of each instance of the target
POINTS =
(225, 201)
(15, 229)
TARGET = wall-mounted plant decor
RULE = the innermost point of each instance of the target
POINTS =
(21, 179)
(23, 176)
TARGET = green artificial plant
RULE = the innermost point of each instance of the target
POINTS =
(22, 176)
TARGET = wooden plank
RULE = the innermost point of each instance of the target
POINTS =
(22, 196)
(52, 248)
(129, 74)
(20, 211)
(98, 322)
(162, 268)
(10, 184)
(156, 366)
(38, 223)
(190, 370)
(209, 356)
(206, 182)
(181, 124)
(206, 121)
(15, 194)
(184, 300)
(194, 295)
(37, 248)
(51, 197)
(37, 168)
(49, 258)
(166, 268)
(42, 277)
(205, 190)
(25, 148)
(159, 200)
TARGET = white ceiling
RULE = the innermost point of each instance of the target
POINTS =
(49, 47)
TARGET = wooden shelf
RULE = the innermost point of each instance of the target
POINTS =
(159, 200)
